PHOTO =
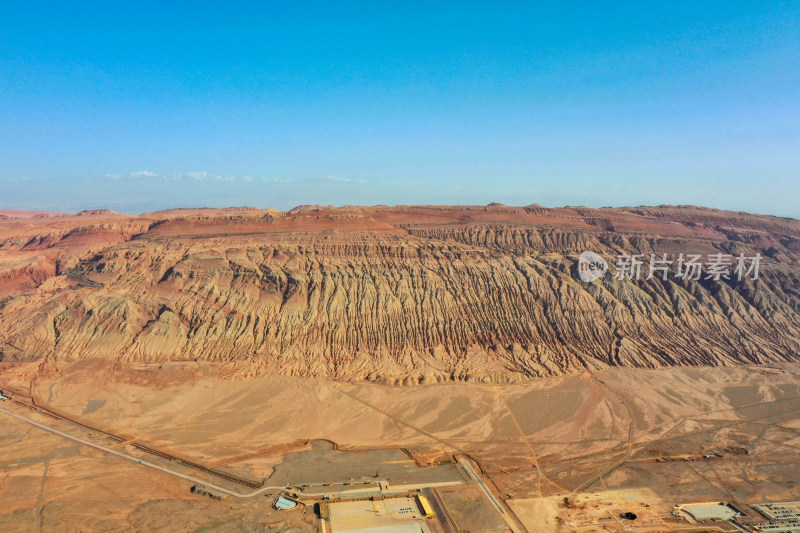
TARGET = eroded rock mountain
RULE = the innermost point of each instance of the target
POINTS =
(395, 294)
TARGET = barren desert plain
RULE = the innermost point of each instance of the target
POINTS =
(189, 370)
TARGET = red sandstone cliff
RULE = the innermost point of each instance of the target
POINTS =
(393, 293)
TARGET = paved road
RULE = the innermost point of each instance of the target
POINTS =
(507, 519)
(190, 478)
(477, 478)
(145, 463)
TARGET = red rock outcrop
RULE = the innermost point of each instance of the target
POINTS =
(395, 294)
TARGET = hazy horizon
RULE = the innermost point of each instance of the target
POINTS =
(149, 107)
(398, 205)
(287, 194)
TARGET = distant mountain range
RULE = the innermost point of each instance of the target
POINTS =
(403, 294)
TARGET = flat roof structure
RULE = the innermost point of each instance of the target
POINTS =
(391, 515)
(399, 528)
(426, 506)
(702, 512)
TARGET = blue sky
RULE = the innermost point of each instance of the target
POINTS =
(145, 106)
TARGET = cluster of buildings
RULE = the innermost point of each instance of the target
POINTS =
(783, 517)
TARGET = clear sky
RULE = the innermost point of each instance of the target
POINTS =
(138, 106)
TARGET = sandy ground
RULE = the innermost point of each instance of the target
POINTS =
(595, 512)
(617, 430)
(472, 511)
(50, 484)
(536, 514)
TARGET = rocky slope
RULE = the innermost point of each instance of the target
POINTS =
(394, 294)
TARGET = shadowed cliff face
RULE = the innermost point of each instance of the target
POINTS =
(402, 294)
